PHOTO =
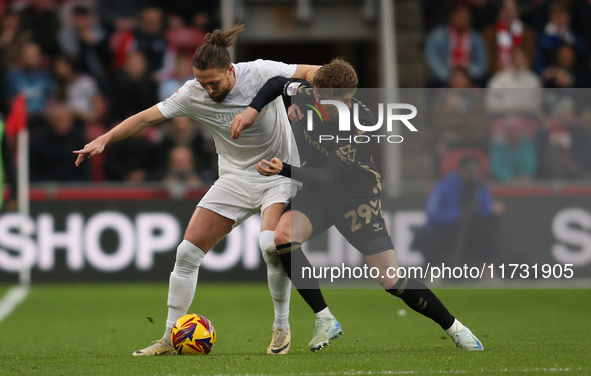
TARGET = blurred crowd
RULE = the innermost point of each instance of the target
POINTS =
(533, 121)
(86, 65)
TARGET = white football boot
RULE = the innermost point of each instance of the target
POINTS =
(465, 340)
(326, 329)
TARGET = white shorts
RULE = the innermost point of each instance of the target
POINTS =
(236, 198)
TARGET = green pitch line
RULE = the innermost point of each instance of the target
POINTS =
(92, 329)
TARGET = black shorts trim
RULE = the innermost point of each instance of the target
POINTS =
(378, 245)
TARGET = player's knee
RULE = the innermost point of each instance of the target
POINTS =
(188, 256)
(282, 235)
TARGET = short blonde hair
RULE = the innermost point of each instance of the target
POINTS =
(339, 75)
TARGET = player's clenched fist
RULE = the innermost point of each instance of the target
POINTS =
(90, 150)
(242, 121)
(267, 168)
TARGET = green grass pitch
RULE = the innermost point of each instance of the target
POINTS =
(92, 329)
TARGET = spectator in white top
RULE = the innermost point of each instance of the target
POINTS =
(499, 97)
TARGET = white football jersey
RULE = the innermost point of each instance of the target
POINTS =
(270, 136)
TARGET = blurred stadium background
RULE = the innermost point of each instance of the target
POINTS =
(505, 82)
(501, 81)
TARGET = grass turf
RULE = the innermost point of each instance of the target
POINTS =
(92, 329)
(3, 290)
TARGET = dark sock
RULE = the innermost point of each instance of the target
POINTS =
(419, 298)
(291, 255)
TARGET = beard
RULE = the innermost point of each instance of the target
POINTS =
(221, 96)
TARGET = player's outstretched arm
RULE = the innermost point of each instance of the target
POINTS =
(130, 126)
(270, 90)
(242, 121)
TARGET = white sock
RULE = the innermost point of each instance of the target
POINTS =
(183, 282)
(324, 314)
(167, 333)
(279, 283)
(457, 325)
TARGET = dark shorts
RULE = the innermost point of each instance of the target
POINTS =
(359, 220)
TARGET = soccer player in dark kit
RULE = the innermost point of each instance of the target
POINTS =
(341, 187)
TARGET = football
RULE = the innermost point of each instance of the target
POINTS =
(193, 334)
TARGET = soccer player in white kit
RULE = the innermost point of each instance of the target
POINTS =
(220, 91)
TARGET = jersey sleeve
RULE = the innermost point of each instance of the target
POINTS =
(269, 69)
(276, 86)
(178, 104)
